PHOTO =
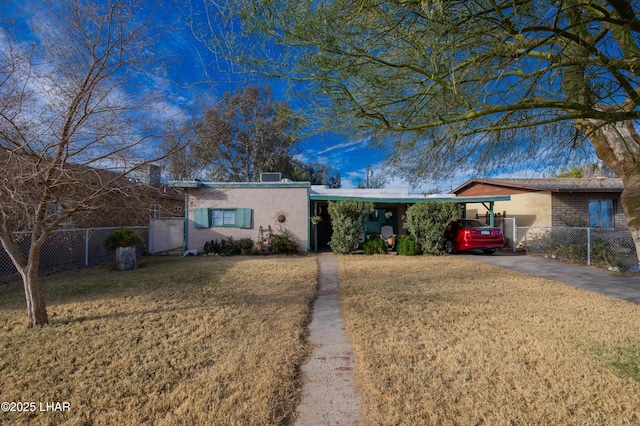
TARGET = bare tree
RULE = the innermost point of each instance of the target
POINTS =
(67, 109)
(479, 85)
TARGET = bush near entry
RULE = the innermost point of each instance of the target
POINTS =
(407, 246)
(374, 245)
(427, 222)
(347, 222)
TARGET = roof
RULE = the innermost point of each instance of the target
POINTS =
(598, 184)
(391, 196)
(206, 184)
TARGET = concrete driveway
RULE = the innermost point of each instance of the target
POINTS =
(590, 278)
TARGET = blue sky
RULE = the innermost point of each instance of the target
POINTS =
(194, 73)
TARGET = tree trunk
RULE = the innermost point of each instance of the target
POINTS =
(28, 270)
(36, 308)
(618, 146)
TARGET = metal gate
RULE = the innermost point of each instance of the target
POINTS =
(166, 234)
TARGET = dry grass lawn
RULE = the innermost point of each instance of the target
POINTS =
(179, 341)
(444, 341)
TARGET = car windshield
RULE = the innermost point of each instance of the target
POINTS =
(472, 224)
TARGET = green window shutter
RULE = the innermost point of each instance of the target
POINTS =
(243, 218)
(201, 218)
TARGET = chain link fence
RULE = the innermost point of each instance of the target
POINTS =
(609, 248)
(68, 249)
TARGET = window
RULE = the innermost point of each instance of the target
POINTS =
(227, 217)
(602, 213)
(221, 217)
(155, 211)
(55, 211)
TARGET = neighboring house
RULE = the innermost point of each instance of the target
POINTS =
(130, 201)
(578, 202)
(219, 210)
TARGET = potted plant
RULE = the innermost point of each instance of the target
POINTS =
(245, 245)
(259, 244)
(123, 241)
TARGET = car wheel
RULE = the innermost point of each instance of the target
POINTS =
(449, 248)
(489, 251)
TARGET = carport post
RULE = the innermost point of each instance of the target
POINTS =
(491, 216)
(492, 220)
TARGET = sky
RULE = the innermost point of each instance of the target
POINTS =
(188, 61)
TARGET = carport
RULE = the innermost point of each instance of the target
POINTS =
(390, 205)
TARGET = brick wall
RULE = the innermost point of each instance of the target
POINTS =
(572, 208)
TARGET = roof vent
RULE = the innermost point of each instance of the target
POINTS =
(270, 177)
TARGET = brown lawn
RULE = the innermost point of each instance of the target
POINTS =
(443, 341)
(179, 341)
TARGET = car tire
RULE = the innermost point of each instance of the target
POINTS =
(489, 251)
(449, 248)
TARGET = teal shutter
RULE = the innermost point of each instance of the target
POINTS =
(243, 218)
(201, 218)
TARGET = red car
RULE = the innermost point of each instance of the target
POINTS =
(467, 234)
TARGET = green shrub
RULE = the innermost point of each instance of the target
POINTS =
(283, 243)
(407, 246)
(223, 248)
(245, 243)
(122, 237)
(347, 221)
(374, 245)
(427, 221)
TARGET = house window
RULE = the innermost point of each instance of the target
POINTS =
(222, 217)
(55, 211)
(155, 211)
(227, 217)
(602, 214)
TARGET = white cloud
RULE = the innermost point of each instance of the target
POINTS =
(347, 146)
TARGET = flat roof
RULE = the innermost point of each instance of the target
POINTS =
(391, 196)
(322, 193)
(206, 184)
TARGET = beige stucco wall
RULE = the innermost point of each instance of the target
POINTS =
(531, 209)
(267, 203)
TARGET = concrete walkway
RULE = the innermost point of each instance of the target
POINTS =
(590, 278)
(329, 395)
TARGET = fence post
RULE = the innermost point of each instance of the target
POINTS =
(588, 246)
(515, 234)
(86, 247)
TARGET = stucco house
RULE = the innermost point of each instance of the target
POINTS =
(219, 210)
(580, 202)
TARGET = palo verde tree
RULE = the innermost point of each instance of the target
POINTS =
(464, 83)
(66, 111)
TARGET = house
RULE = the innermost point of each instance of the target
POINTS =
(219, 210)
(127, 201)
(578, 202)
(390, 206)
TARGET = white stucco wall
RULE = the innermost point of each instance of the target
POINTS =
(267, 201)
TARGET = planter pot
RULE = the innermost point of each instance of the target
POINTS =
(245, 251)
(260, 246)
(126, 258)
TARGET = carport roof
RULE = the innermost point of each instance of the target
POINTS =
(393, 196)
